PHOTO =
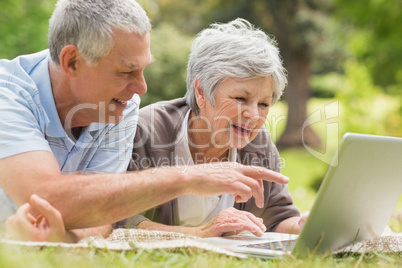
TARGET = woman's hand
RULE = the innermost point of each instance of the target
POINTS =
(24, 226)
(232, 221)
(292, 225)
(303, 219)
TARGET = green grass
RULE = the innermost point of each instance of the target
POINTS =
(305, 173)
(80, 258)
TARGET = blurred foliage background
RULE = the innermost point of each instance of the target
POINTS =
(343, 58)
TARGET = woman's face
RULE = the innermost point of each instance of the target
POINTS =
(241, 108)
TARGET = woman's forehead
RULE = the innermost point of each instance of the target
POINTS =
(249, 87)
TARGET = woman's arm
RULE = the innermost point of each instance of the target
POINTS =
(228, 221)
(292, 225)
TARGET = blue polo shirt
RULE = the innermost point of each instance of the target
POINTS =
(29, 122)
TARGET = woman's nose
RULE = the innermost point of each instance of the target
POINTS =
(251, 113)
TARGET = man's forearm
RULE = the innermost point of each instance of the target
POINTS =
(93, 200)
(102, 199)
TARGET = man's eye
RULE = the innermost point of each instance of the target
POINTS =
(240, 99)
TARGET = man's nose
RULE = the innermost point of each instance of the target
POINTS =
(138, 85)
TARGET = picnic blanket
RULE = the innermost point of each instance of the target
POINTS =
(388, 242)
(134, 239)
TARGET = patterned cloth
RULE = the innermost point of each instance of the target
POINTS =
(385, 244)
(137, 235)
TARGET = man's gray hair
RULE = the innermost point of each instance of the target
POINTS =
(232, 50)
(89, 25)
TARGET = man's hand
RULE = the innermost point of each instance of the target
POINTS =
(232, 221)
(232, 178)
(48, 226)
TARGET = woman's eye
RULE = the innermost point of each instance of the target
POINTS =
(264, 105)
(240, 99)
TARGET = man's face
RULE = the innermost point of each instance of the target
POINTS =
(102, 90)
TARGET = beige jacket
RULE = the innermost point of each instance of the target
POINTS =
(154, 146)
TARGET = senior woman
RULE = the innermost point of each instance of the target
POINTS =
(235, 75)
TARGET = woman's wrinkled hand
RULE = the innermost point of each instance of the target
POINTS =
(232, 221)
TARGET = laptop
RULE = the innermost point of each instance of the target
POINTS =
(354, 202)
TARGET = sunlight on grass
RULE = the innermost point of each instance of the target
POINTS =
(304, 171)
(80, 258)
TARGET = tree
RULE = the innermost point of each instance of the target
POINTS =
(24, 26)
(166, 77)
(375, 38)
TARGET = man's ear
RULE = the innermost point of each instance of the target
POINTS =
(199, 94)
(70, 60)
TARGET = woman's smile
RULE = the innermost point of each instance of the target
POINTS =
(242, 131)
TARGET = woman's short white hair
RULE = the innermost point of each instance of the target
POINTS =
(232, 50)
(89, 25)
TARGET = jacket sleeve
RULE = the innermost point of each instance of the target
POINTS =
(131, 222)
(278, 203)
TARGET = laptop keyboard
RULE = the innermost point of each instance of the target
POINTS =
(285, 245)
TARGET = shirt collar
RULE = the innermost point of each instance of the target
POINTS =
(40, 74)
